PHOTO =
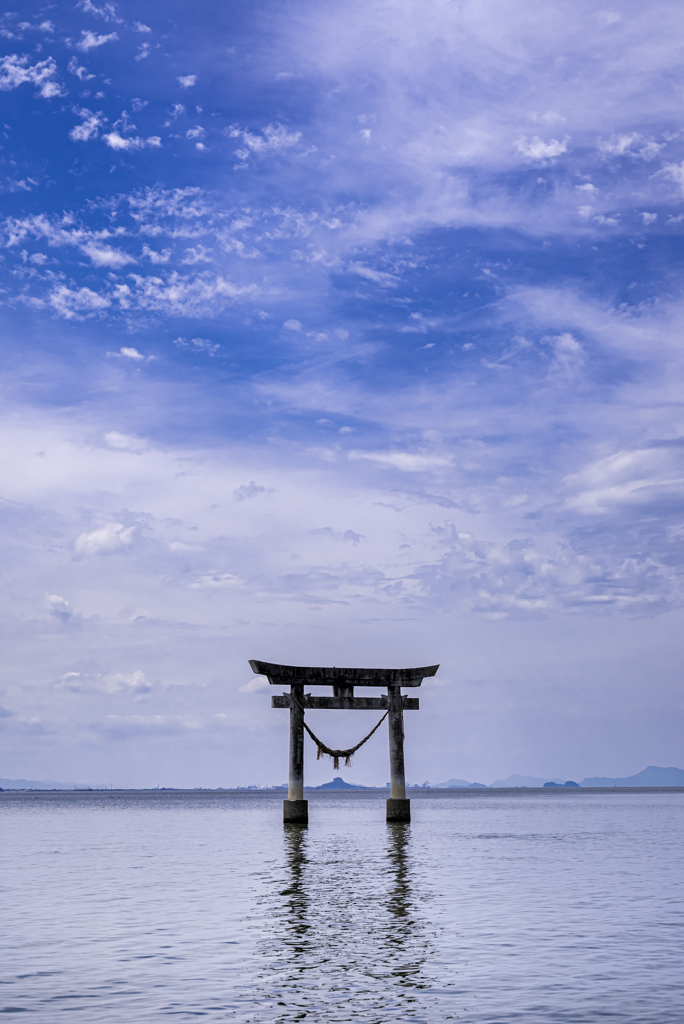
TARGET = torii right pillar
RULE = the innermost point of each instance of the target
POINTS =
(398, 807)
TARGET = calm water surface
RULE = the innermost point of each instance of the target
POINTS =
(488, 909)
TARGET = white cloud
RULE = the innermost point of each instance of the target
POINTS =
(498, 580)
(199, 345)
(628, 478)
(538, 150)
(648, 218)
(259, 684)
(72, 304)
(204, 294)
(568, 355)
(43, 26)
(650, 150)
(65, 232)
(618, 145)
(90, 126)
(156, 257)
(293, 325)
(135, 684)
(675, 172)
(139, 27)
(197, 254)
(178, 110)
(117, 142)
(630, 144)
(90, 40)
(80, 72)
(126, 353)
(550, 117)
(121, 682)
(154, 726)
(107, 12)
(380, 277)
(215, 581)
(22, 185)
(273, 139)
(114, 438)
(419, 324)
(16, 70)
(179, 545)
(195, 133)
(187, 81)
(106, 256)
(408, 462)
(59, 607)
(143, 51)
(183, 295)
(105, 540)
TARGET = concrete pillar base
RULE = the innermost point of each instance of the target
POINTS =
(398, 810)
(296, 812)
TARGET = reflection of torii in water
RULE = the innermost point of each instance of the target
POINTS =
(343, 681)
(308, 912)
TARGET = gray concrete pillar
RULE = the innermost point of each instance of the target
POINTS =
(296, 808)
(398, 807)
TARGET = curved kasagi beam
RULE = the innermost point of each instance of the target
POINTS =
(286, 675)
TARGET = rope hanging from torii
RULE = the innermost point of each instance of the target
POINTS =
(326, 751)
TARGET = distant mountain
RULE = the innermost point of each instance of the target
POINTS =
(651, 776)
(517, 781)
(32, 784)
(338, 783)
(458, 784)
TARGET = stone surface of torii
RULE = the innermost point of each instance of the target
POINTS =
(343, 681)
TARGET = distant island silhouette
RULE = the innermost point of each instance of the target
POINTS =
(651, 776)
(339, 783)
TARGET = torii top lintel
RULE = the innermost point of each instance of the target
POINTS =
(286, 675)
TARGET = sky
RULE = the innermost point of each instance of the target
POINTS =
(341, 334)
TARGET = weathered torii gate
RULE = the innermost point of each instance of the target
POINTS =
(343, 681)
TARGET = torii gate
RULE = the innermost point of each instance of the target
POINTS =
(343, 681)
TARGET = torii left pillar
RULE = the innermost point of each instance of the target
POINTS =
(296, 808)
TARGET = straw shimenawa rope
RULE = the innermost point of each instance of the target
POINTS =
(337, 754)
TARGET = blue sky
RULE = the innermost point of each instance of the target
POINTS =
(341, 334)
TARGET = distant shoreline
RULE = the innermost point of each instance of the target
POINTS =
(419, 794)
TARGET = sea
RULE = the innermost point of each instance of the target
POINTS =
(491, 907)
